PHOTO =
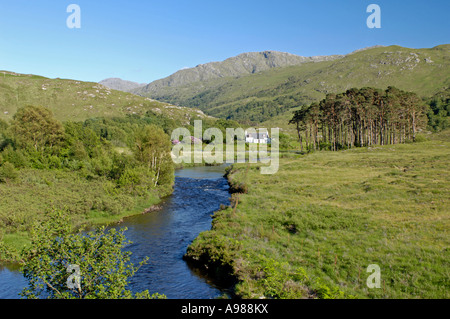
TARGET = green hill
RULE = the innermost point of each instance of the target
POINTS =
(272, 94)
(78, 101)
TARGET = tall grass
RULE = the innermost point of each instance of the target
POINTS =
(329, 216)
(25, 201)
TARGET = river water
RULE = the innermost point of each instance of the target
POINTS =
(164, 236)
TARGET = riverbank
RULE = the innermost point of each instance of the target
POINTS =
(89, 202)
(312, 229)
(163, 235)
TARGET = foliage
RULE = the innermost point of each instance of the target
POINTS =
(7, 172)
(439, 111)
(281, 282)
(325, 292)
(81, 166)
(361, 117)
(35, 126)
(104, 267)
(152, 149)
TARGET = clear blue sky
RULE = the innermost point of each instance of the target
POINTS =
(141, 40)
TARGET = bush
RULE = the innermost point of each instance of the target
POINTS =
(7, 172)
(137, 180)
(420, 138)
(54, 162)
(103, 266)
(282, 282)
(285, 141)
(16, 157)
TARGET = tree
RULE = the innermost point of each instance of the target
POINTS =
(439, 111)
(362, 117)
(299, 120)
(153, 149)
(3, 139)
(35, 126)
(3, 126)
(102, 267)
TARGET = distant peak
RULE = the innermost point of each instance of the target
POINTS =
(120, 85)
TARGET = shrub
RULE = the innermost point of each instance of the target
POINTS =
(137, 180)
(54, 162)
(420, 138)
(103, 266)
(7, 172)
(280, 281)
(16, 157)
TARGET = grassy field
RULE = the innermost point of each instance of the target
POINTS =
(312, 229)
(88, 202)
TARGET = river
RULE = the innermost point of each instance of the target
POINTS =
(164, 236)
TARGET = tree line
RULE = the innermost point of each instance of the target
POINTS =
(132, 152)
(361, 117)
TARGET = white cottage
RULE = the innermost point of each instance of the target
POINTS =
(259, 136)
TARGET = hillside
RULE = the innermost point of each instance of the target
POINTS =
(271, 93)
(77, 100)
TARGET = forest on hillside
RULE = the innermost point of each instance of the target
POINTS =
(369, 116)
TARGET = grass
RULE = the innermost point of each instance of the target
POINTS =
(77, 100)
(329, 215)
(89, 202)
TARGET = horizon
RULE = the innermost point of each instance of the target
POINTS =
(186, 68)
(145, 41)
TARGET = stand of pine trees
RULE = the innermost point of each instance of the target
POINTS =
(361, 117)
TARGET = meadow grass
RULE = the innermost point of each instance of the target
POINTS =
(89, 202)
(312, 229)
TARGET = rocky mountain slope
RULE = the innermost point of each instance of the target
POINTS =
(261, 95)
(243, 64)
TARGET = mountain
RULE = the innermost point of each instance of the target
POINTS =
(261, 96)
(243, 64)
(77, 100)
(120, 85)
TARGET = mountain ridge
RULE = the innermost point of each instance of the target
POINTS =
(239, 65)
(259, 96)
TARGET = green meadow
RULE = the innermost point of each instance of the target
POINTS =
(88, 202)
(312, 229)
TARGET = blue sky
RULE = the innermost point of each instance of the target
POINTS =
(141, 40)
